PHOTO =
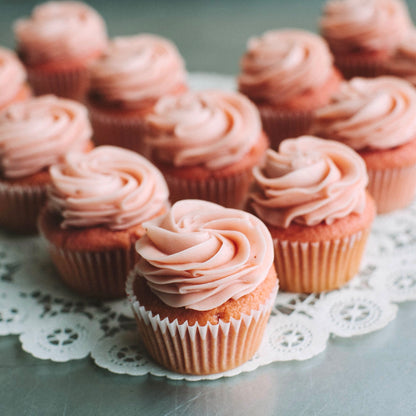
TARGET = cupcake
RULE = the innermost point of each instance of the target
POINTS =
(57, 43)
(206, 144)
(311, 195)
(13, 86)
(96, 205)
(126, 83)
(288, 74)
(377, 118)
(34, 134)
(203, 288)
(363, 35)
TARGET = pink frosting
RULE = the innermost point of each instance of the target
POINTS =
(201, 254)
(309, 181)
(282, 64)
(376, 113)
(12, 76)
(374, 25)
(36, 133)
(137, 70)
(210, 128)
(60, 31)
(108, 186)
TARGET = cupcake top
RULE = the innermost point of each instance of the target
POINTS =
(109, 186)
(201, 254)
(365, 25)
(282, 64)
(308, 182)
(37, 132)
(370, 113)
(12, 76)
(60, 31)
(209, 128)
(137, 70)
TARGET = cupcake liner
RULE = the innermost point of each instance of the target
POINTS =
(127, 132)
(67, 83)
(353, 66)
(307, 267)
(20, 206)
(280, 125)
(393, 188)
(230, 191)
(99, 274)
(200, 349)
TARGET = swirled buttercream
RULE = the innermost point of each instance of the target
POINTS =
(12, 76)
(282, 64)
(309, 181)
(209, 128)
(373, 25)
(137, 70)
(377, 113)
(201, 254)
(60, 31)
(108, 186)
(36, 133)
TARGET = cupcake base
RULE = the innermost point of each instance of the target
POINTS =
(361, 65)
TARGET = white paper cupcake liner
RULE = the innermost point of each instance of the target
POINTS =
(20, 206)
(200, 349)
(308, 267)
(392, 188)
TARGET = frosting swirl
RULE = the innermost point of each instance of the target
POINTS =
(58, 31)
(108, 186)
(309, 181)
(377, 113)
(12, 76)
(210, 128)
(282, 64)
(355, 25)
(201, 254)
(36, 133)
(137, 70)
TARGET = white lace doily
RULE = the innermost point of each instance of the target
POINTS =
(58, 325)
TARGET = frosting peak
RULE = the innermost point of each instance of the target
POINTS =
(58, 31)
(201, 254)
(282, 64)
(137, 70)
(309, 181)
(36, 133)
(377, 113)
(108, 186)
(210, 128)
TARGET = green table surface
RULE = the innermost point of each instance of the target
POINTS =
(373, 374)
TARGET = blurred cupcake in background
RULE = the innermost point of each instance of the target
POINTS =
(377, 118)
(311, 195)
(126, 83)
(288, 74)
(13, 85)
(57, 43)
(206, 144)
(35, 134)
(96, 205)
(363, 35)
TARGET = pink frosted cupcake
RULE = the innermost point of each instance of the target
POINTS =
(363, 35)
(13, 86)
(34, 134)
(125, 84)
(57, 43)
(377, 118)
(203, 288)
(206, 144)
(288, 74)
(96, 206)
(311, 195)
